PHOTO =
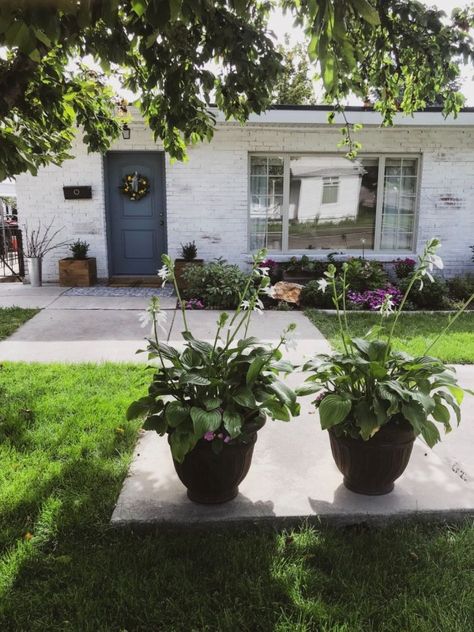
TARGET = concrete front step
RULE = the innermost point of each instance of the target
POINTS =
(292, 478)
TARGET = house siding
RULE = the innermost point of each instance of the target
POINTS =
(207, 197)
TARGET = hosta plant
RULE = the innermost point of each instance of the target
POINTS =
(219, 391)
(370, 384)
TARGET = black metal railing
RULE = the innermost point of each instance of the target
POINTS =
(11, 252)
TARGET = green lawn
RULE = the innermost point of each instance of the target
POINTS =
(64, 451)
(12, 317)
(413, 333)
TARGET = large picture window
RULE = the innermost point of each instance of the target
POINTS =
(327, 202)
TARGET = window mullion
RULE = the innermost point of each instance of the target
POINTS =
(379, 206)
(286, 203)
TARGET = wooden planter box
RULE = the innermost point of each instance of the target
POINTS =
(180, 266)
(77, 272)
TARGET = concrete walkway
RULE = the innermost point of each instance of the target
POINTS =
(293, 475)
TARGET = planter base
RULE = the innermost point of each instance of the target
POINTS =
(214, 499)
(379, 492)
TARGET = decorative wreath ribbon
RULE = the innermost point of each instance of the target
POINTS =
(135, 186)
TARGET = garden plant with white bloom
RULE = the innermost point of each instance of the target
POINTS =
(221, 391)
(369, 384)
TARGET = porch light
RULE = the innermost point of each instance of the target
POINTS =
(126, 132)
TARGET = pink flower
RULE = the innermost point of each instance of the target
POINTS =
(227, 440)
(209, 436)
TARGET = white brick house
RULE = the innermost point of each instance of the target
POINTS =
(279, 181)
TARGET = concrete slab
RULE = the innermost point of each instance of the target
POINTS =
(293, 477)
(109, 302)
(457, 448)
(19, 295)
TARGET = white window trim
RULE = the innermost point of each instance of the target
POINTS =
(317, 253)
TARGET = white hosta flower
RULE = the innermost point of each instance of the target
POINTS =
(269, 291)
(263, 270)
(164, 274)
(289, 340)
(322, 285)
(386, 308)
(145, 319)
(245, 305)
(258, 307)
(161, 320)
(152, 314)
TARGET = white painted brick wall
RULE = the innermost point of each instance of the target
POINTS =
(207, 196)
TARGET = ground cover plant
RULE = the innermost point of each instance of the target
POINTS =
(64, 449)
(12, 317)
(414, 332)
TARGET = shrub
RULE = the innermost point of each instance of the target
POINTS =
(189, 251)
(461, 287)
(363, 275)
(404, 268)
(79, 249)
(431, 296)
(311, 296)
(216, 284)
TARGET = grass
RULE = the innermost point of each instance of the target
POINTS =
(12, 317)
(413, 333)
(64, 451)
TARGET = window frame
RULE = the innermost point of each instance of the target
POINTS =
(318, 252)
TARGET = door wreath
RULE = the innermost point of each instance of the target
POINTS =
(135, 186)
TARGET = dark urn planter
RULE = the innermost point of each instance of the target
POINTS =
(214, 478)
(371, 467)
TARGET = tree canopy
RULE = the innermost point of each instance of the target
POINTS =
(180, 56)
(294, 85)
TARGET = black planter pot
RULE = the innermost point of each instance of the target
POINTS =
(214, 478)
(371, 467)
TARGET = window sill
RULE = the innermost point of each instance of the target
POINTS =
(321, 255)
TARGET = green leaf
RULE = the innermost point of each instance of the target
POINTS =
(156, 423)
(277, 410)
(441, 413)
(457, 392)
(308, 389)
(430, 433)
(211, 403)
(232, 423)
(194, 378)
(255, 369)
(366, 419)
(139, 7)
(414, 412)
(175, 8)
(176, 413)
(181, 443)
(333, 409)
(285, 394)
(367, 11)
(139, 407)
(205, 420)
(244, 397)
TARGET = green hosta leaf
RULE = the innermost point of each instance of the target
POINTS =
(449, 399)
(414, 412)
(169, 353)
(181, 443)
(457, 392)
(366, 419)
(333, 409)
(430, 433)
(367, 11)
(378, 370)
(390, 397)
(201, 346)
(255, 369)
(157, 423)
(194, 378)
(139, 407)
(282, 366)
(244, 397)
(361, 345)
(205, 420)
(277, 410)
(176, 413)
(307, 389)
(232, 423)
(285, 394)
(247, 342)
(211, 403)
(441, 413)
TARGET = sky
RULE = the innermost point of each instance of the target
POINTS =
(281, 24)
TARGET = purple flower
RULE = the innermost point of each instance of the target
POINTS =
(227, 439)
(209, 436)
(269, 263)
(374, 299)
(194, 303)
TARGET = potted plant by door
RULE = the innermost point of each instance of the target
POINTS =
(37, 243)
(79, 270)
(212, 398)
(188, 257)
(374, 400)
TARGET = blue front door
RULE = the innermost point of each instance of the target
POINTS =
(136, 228)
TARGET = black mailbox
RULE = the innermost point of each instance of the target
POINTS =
(77, 193)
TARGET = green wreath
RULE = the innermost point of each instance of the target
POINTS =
(135, 186)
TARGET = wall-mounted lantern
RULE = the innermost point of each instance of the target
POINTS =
(126, 131)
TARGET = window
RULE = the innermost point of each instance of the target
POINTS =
(330, 190)
(327, 202)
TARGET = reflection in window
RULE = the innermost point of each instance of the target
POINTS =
(266, 202)
(332, 203)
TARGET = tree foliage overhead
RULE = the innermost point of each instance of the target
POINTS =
(179, 56)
